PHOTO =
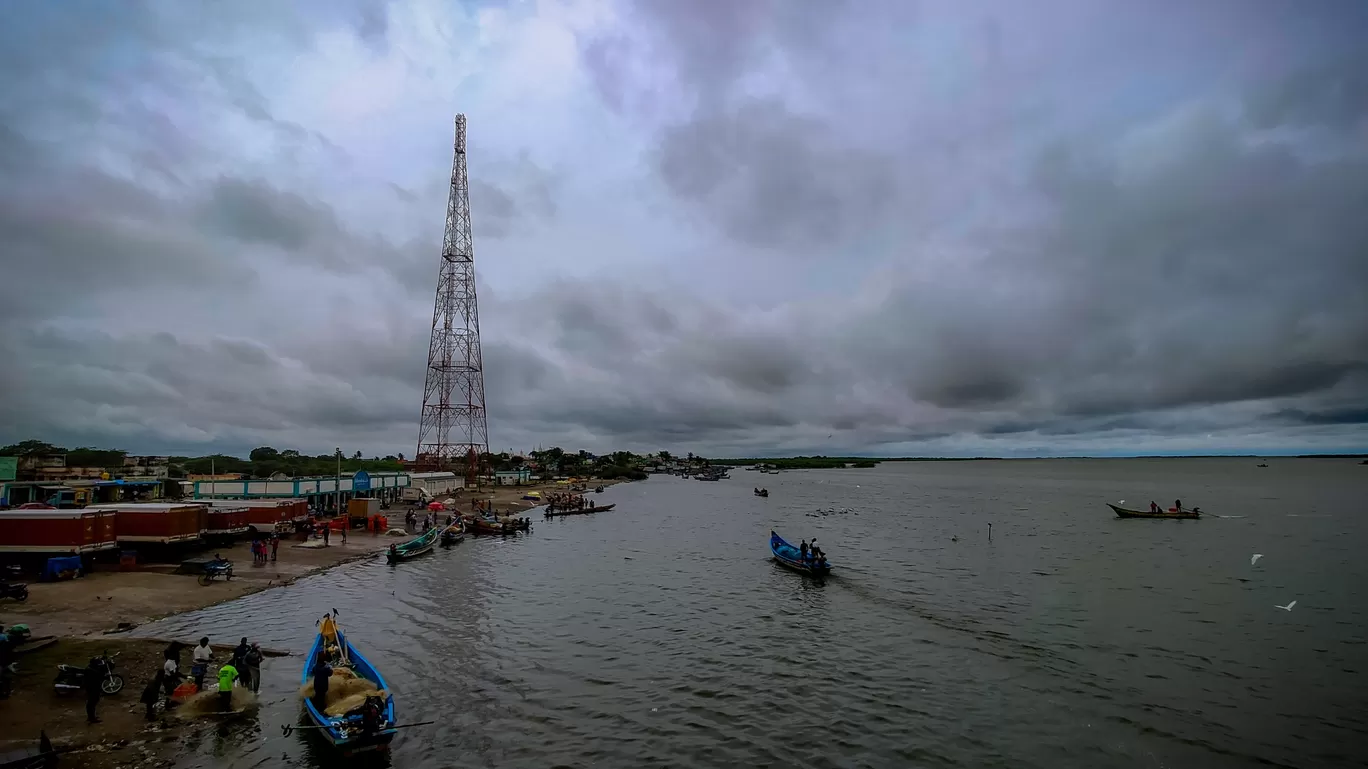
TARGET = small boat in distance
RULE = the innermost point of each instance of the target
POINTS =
(414, 547)
(792, 557)
(1122, 512)
(762, 492)
(354, 731)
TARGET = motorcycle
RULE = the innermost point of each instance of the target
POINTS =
(72, 677)
(16, 590)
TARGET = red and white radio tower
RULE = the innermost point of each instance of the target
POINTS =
(452, 431)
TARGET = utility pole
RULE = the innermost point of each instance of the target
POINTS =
(453, 392)
(337, 484)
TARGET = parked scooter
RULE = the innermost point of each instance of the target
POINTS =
(71, 678)
(16, 590)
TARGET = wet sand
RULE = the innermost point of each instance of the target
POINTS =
(102, 600)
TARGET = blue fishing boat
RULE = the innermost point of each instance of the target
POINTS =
(370, 726)
(792, 557)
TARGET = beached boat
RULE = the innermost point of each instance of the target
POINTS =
(415, 547)
(553, 513)
(357, 730)
(792, 557)
(486, 526)
(1122, 512)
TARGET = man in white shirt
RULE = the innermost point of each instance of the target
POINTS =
(200, 662)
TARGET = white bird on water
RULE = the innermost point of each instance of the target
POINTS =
(1253, 559)
(1287, 607)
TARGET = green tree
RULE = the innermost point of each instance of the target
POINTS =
(91, 457)
(30, 448)
(263, 453)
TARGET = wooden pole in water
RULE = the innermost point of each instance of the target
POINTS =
(990, 532)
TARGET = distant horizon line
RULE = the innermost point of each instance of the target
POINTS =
(855, 457)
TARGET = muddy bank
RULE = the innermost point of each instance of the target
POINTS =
(123, 737)
(106, 598)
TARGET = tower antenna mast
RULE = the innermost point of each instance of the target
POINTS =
(453, 433)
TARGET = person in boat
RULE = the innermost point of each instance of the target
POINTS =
(321, 672)
(816, 551)
(1154, 506)
(1178, 505)
(803, 551)
(370, 713)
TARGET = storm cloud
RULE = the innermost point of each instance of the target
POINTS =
(742, 228)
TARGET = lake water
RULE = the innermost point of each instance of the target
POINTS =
(660, 634)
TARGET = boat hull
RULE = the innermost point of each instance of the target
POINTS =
(791, 557)
(1185, 515)
(330, 728)
(415, 547)
(585, 511)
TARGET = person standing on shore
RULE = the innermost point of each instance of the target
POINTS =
(346, 524)
(149, 695)
(275, 545)
(94, 676)
(171, 671)
(199, 662)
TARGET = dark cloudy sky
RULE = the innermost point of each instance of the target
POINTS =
(725, 226)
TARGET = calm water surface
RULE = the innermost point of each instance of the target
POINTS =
(661, 635)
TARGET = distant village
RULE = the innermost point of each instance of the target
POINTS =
(36, 473)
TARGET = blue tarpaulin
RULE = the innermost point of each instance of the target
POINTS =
(55, 567)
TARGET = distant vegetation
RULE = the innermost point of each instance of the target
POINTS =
(802, 463)
(261, 463)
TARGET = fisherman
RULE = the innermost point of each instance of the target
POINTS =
(803, 550)
(149, 694)
(171, 675)
(252, 662)
(816, 551)
(239, 652)
(226, 675)
(321, 672)
(1178, 505)
(1154, 506)
(199, 662)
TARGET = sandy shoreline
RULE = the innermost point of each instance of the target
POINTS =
(88, 615)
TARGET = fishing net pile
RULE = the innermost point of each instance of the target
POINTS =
(206, 703)
(345, 691)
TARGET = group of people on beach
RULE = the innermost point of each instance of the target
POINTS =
(243, 666)
(264, 548)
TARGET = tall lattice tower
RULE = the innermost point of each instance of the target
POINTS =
(452, 431)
